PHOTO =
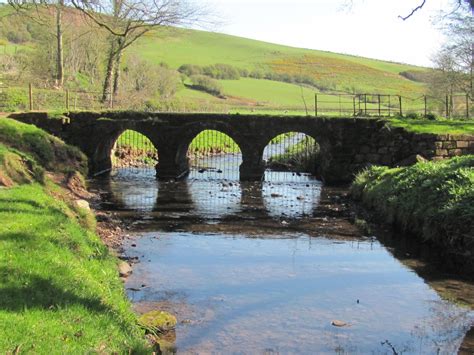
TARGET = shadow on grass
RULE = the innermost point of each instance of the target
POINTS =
(20, 291)
(25, 201)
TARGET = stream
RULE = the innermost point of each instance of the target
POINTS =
(277, 267)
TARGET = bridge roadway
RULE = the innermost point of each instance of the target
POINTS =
(347, 144)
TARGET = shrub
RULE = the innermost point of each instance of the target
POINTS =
(412, 115)
(221, 71)
(206, 84)
(190, 69)
(19, 36)
(434, 200)
(13, 99)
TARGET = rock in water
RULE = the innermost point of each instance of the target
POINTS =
(339, 323)
(158, 321)
(124, 269)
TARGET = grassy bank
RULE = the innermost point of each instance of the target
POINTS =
(434, 200)
(59, 286)
(441, 126)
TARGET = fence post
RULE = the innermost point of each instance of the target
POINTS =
(426, 110)
(447, 106)
(30, 96)
(67, 100)
(467, 105)
(354, 104)
(378, 98)
(111, 100)
(315, 105)
(400, 103)
(389, 106)
(340, 107)
(365, 104)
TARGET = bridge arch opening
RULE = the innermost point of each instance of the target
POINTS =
(213, 154)
(293, 152)
(134, 150)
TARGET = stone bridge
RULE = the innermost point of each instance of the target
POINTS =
(346, 144)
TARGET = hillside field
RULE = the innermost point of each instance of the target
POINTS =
(325, 72)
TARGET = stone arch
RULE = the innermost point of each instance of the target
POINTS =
(101, 161)
(207, 159)
(284, 145)
(136, 143)
(190, 132)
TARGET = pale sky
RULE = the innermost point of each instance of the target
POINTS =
(370, 29)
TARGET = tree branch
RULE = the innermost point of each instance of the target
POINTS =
(419, 7)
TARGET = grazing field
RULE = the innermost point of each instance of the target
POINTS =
(332, 71)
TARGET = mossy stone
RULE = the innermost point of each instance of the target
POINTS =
(158, 321)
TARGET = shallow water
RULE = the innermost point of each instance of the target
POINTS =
(260, 268)
(251, 294)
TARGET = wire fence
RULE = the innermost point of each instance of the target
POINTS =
(451, 106)
(448, 106)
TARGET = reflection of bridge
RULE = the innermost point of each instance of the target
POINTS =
(346, 144)
(283, 196)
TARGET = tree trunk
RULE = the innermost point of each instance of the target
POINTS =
(107, 88)
(60, 52)
(118, 59)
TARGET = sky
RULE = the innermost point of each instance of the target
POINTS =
(370, 28)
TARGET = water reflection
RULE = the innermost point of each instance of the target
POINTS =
(278, 292)
(281, 195)
(248, 295)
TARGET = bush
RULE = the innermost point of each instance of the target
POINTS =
(190, 70)
(434, 200)
(412, 115)
(19, 36)
(206, 84)
(13, 99)
(430, 116)
(221, 71)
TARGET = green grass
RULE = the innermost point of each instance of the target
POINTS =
(341, 72)
(47, 151)
(212, 142)
(177, 46)
(58, 284)
(268, 93)
(435, 127)
(434, 200)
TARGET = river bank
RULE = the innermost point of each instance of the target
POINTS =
(59, 284)
(432, 201)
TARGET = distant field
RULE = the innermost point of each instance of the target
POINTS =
(338, 72)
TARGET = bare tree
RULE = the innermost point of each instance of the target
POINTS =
(458, 5)
(454, 62)
(38, 10)
(128, 20)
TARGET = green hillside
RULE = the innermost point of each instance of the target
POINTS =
(272, 78)
(336, 72)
